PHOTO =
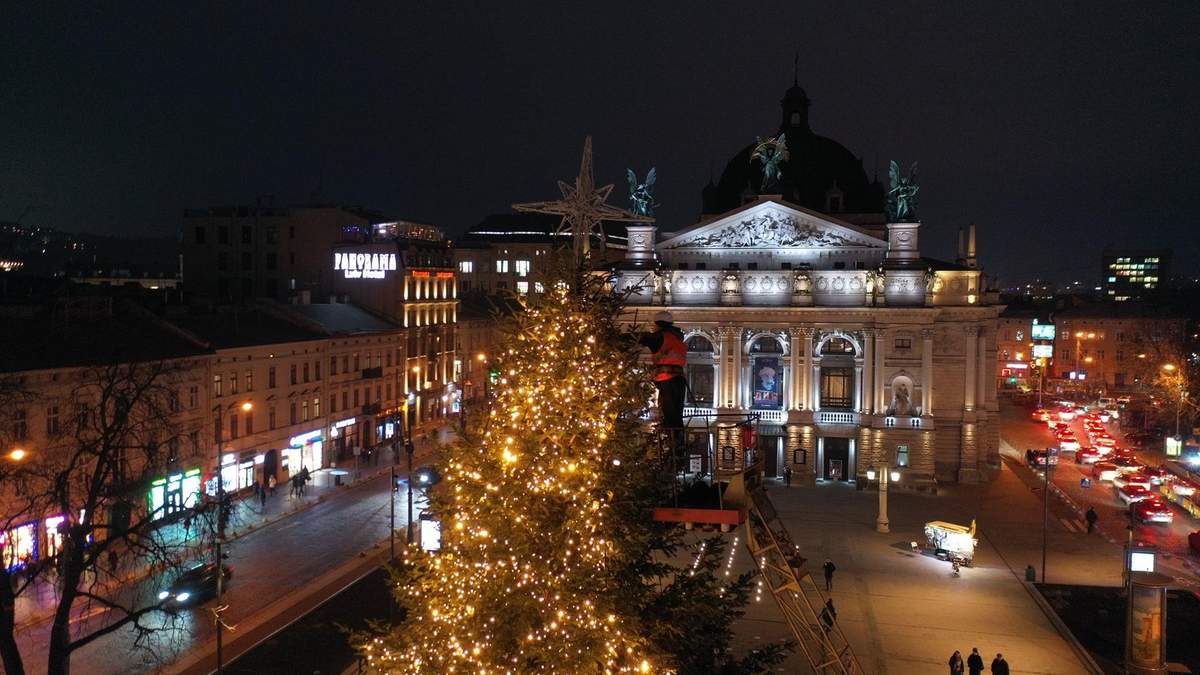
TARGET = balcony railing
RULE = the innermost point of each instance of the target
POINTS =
(772, 416)
(837, 417)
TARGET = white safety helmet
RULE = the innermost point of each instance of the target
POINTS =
(664, 317)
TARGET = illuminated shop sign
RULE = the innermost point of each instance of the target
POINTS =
(1043, 351)
(1017, 365)
(342, 424)
(364, 265)
(1042, 331)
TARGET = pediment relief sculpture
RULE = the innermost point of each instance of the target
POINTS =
(770, 230)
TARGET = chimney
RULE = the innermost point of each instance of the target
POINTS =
(961, 259)
(971, 247)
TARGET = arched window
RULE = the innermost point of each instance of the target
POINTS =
(700, 371)
(838, 345)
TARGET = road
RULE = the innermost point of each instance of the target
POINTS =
(1021, 432)
(268, 564)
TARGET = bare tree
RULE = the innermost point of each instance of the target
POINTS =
(1168, 367)
(95, 470)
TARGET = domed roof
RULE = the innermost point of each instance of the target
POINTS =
(819, 174)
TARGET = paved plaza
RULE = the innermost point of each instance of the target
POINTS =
(906, 613)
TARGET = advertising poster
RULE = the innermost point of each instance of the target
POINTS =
(767, 383)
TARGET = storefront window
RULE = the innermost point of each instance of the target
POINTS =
(54, 534)
(18, 546)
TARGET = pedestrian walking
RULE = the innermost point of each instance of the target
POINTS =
(1091, 519)
(787, 476)
(271, 482)
(999, 665)
(956, 663)
(295, 486)
(262, 498)
(303, 479)
(828, 615)
(975, 662)
(829, 569)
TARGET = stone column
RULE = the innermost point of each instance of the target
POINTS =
(806, 399)
(725, 386)
(868, 381)
(859, 383)
(981, 378)
(970, 342)
(927, 371)
(795, 382)
(877, 371)
(815, 386)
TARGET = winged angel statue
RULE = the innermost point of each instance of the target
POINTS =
(771, 152)
(641, 201)
(902, 194)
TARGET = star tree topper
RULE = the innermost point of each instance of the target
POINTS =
(583, 207)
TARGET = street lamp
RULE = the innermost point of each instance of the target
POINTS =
(247, 406)
(1171, 368)
(886, 476)
(17, 454)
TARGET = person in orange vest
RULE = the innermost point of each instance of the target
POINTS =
(670, 356)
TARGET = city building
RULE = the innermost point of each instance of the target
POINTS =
(67, 366)
(1115, 347)
(511, 253)
(1132, 274)
(1017, 351)
(243, 252)
(407, 277)
(856, 350)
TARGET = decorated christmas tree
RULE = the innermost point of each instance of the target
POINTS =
(550, 561)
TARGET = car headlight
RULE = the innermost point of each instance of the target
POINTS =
(182, 597)
(163, 595)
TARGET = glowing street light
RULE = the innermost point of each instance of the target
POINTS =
(17, 454)
(247, 406)
(1169, 367)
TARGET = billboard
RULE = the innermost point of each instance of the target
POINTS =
(1042, 331)
(1043, 351)
(767, 384)
(364, 265)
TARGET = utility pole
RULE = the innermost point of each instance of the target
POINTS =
(409, 449)
(1045, 510)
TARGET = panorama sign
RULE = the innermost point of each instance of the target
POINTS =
(364, 265)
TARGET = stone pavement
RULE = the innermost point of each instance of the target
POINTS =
(906, 613)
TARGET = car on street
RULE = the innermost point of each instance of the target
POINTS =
(1103, 471)
(1104, 439)
(1037, 459)
(1153, 511)
(1125, 464)
(1134, 493)
(194, 585)
(1143, 438)
(1157, 474)
(1086, 456)
(1136, 478)
(1040, 415)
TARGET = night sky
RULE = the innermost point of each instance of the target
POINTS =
(1056, 127)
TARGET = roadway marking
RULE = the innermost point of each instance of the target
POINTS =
(1071, 525)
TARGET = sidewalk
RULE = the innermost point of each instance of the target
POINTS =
(906, 613)
(38, 602)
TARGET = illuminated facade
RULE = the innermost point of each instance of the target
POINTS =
(855, 349)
